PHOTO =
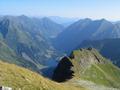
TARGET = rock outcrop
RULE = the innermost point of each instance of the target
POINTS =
(63, 72)
(87, 64)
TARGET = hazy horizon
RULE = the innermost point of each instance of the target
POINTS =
(94, 9)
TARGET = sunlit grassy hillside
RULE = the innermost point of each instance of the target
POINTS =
(22, 79)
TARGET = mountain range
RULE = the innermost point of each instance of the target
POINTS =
(74, 56)
(26, 42)
(85, 29)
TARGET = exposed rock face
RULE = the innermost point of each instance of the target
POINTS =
(72, 56)
(63, 72)
(109, 48)
(76, 64)
(89, 65)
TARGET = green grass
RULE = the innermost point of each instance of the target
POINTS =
(23, 79)
(105, 75)
(102, 72)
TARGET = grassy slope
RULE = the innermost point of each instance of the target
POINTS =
(16, 77)
(104, 73)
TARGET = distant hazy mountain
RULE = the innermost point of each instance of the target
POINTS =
(28, 39)
(49, 27)
(110, 48)
(83, 30)
(46, 26)
(87, 67)
(63, 20)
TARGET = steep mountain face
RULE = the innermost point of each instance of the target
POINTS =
(84, 30)
(27, 38)
(22, 79)
(63, 72)
(50, 28)
(88, 65)
(109, 48)
(45, 26)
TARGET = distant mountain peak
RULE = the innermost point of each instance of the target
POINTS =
(87, 19)
(104, 20)
(45, 19)
(23, 17)
(29, 39)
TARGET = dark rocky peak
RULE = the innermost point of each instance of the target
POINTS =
(72, 56)
(63, 71)
(89, 48)
(78, 61)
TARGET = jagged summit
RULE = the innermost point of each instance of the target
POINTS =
(87, 55)
(87, 64)
(83, 58)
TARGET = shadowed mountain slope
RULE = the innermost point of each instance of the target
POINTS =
(88, 64)
(85, 29)
(25, 41)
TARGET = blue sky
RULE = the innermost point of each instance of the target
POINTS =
(109, 9)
